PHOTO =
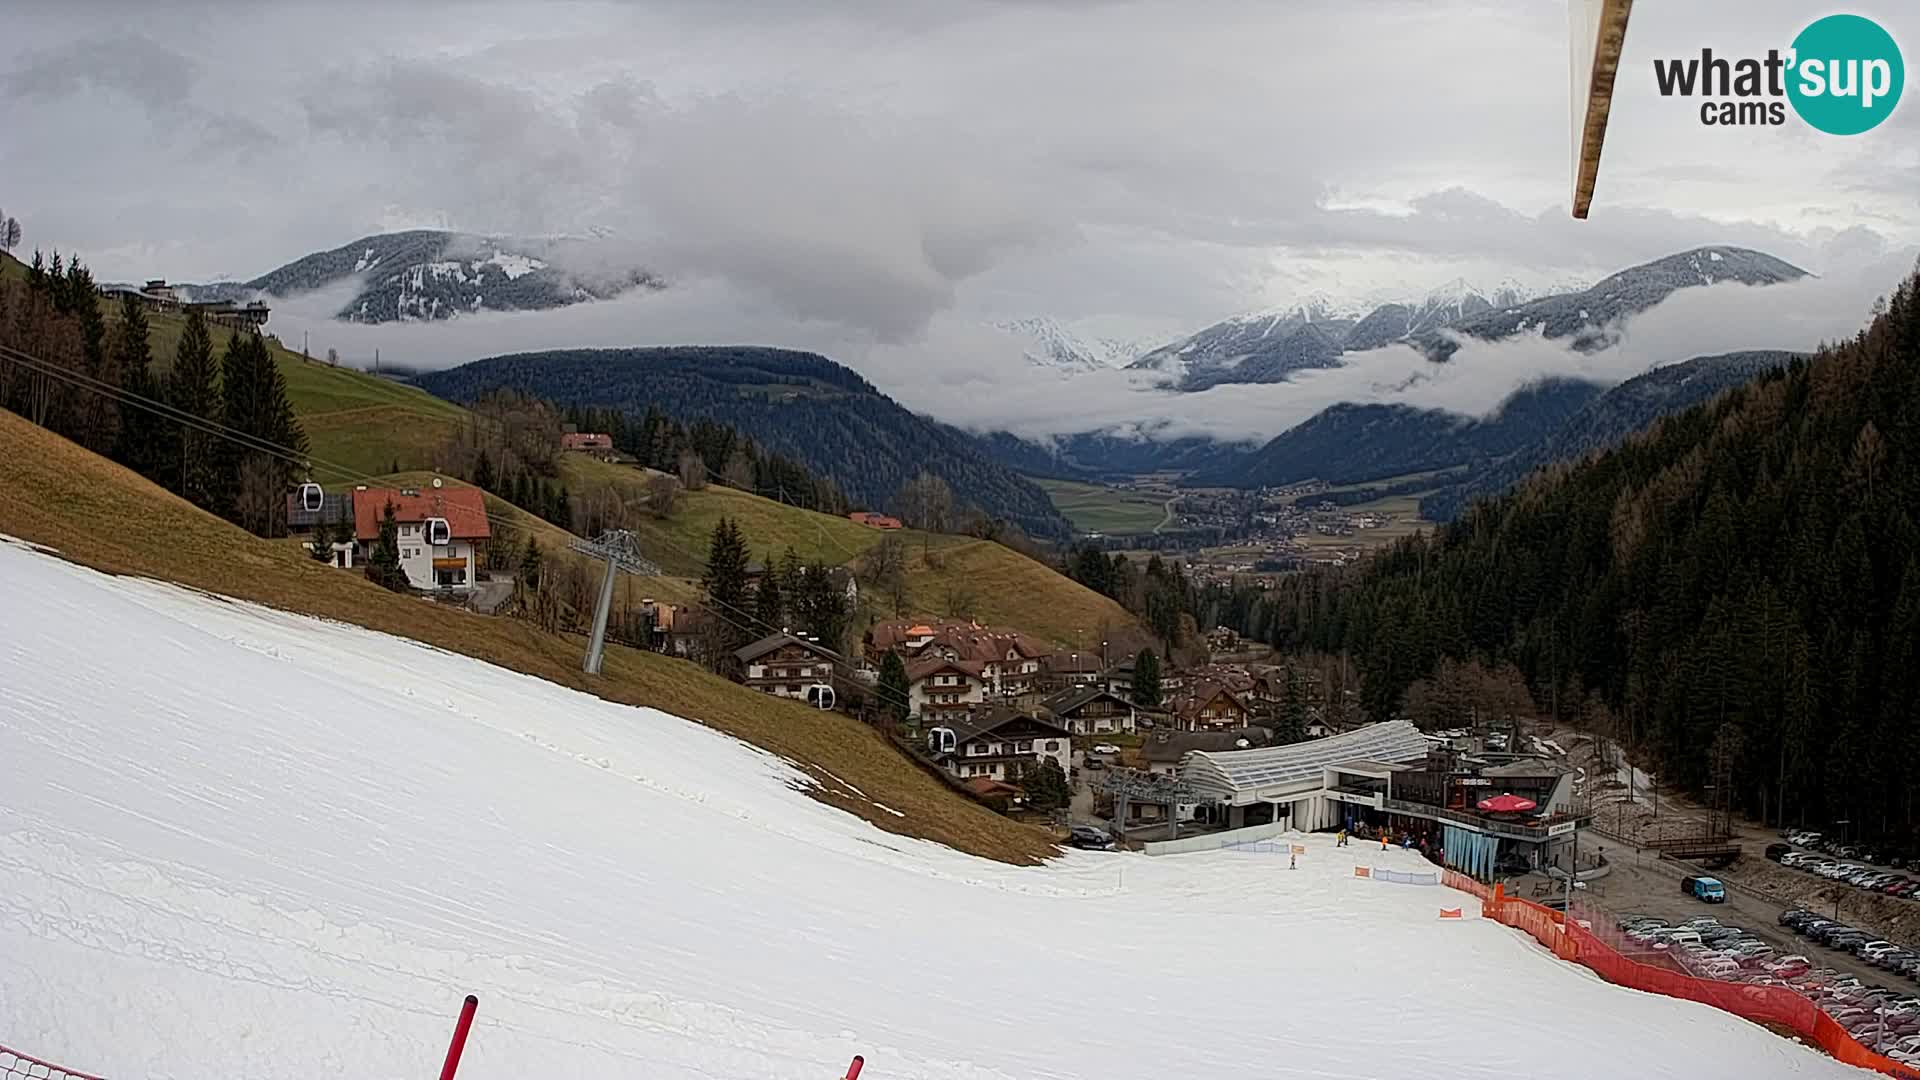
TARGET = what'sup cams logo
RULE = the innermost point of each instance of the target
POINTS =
(1842, 75)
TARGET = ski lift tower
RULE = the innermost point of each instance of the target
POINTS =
(621, 550)
(1128, 785)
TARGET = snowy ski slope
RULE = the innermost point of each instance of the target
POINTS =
(235, 842)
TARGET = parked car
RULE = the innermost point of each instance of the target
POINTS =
(1106, 748)
(1777, 852)
(1088, 837)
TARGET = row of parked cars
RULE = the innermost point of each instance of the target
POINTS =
(1708, 947)
(1861, 943)
(1872, 878)
(1848, 863)
(1875, 1015)
(1857, 851)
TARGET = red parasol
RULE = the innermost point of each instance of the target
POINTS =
(1507, 804)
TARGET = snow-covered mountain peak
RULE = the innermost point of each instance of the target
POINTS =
(1048, 344)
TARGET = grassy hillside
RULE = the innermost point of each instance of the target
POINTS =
(679, 543)
(1007, 588)
(82, 505)
(354, 420)
(1102, 509)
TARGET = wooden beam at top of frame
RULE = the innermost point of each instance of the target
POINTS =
(1609, 37)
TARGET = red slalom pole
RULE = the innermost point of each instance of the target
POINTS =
(853, 1070)
(459, 1037)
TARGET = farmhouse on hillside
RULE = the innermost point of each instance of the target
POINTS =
(938, 688)
(1211, 706)
(586, 442)
(428, 565)
(1006, 662)
(1089, 710)
(785, 665)
(874, 521)
(1001, 744)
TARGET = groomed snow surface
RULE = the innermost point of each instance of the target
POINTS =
(236, 843)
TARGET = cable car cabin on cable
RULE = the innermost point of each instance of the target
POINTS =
(438, 531)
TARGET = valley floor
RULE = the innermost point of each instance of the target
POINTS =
(238, 842)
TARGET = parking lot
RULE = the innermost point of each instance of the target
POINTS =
(1883, 1015)
(1640, 882)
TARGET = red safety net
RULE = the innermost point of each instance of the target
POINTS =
(15, 1065)
(1580, 942)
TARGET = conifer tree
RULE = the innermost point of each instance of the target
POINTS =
(238, 405)
(1292, 726)
(769, 606)
(96, 424)
(530, 567)
(725, 586)
(321, 546)
(191, 389)
(892, 690)
(256, 469)
(483, 472)
(140, 444)
(790, 571)
(383, 564)
(821, 608)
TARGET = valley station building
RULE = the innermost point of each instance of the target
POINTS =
(1391, 776)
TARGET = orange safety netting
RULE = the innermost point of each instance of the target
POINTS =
(1576, 942)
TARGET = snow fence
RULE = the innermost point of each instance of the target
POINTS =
(1403, 877)
(1761, 1004)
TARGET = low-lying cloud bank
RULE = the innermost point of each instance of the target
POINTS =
(971, 374)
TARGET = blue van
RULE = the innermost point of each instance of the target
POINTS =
(1706, 889)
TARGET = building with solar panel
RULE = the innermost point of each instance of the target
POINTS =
(1391, 779)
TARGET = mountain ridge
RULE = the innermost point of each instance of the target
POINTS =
(800, 405)
(1268, 347)
(433, 274)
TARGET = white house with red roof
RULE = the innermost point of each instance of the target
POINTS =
(433, 558)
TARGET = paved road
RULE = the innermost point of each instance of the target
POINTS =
(1643, 883)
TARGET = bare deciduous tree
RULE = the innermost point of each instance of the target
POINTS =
(693, 470)
(926, 502)
(886, 567)
(663, 492)
(739, 470)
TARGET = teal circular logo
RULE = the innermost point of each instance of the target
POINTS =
(1846, 74)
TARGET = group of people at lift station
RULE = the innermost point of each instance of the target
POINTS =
(1408, 840)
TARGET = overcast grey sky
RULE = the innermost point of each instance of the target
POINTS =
(876, 178)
